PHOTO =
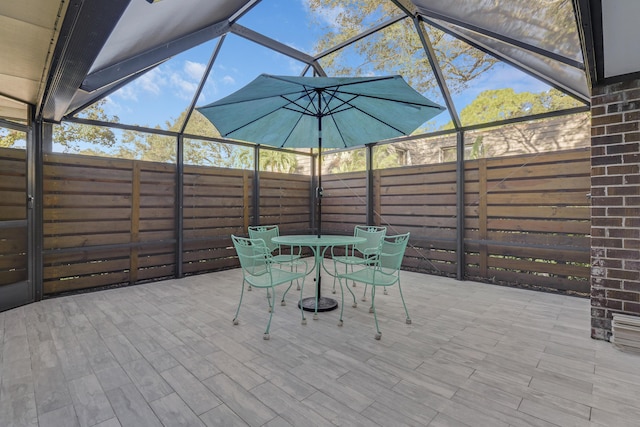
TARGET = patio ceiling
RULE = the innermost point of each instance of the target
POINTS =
(60, 56)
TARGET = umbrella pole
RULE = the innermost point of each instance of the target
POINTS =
(319, 189)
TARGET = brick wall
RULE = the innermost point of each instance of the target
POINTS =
(615, 211)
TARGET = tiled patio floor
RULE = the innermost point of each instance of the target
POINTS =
(167, 354)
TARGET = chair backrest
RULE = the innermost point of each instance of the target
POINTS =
(253, 255)
(266, 233)
(372, 233)
(392, 251)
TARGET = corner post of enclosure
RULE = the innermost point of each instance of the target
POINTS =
(39, 136)
(460, 255)
(179, 222)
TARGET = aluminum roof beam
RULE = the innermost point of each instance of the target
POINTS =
(85, 30)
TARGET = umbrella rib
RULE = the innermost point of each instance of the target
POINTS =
(271, 112)
(332, 112)
(302, 108)
(382, 98)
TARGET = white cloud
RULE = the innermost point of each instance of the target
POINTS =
(194, 70)
(228, 80)
(114, 108)
(126, 93)
(152, 81)
(182, 88)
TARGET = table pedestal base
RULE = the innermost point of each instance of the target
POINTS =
(324, 304)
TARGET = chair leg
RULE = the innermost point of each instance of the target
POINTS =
(340, 322)
(304, 319)
(364, 294)
(269, 300)
(333, 289)
(375, 316)
(235, 318)
(296, 270)
(335, 269)
(282, 301)
(266, 335)
(408, 321)
(355, 303)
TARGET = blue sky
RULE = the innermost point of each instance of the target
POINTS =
(164, 92)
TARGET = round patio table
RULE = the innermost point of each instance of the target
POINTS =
(319, 246)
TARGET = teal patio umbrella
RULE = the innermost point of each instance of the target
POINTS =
(320, 112)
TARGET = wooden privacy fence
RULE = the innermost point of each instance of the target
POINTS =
(13, 216)
(111, 221)
(106, 221)
(527, 218)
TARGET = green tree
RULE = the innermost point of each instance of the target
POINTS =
(395, 46)
(396, 49)
(278, 161)
(384, 156)
(502, 104)
(270, 160)
(73, 136)
(9, 137)
(160, 148)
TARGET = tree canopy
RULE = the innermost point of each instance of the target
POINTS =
(396, 46)
(502, 104)
(396, 49)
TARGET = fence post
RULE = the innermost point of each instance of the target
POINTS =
(482, 216)
(246, 198)
(135, 221)
(377, 197)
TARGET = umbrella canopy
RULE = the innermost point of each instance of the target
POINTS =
(322, 112)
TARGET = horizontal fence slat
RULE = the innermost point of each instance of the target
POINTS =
(527, 217)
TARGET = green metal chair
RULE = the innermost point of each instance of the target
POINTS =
(267, 233)
(357, 254)
(258, 271)
(381, 269)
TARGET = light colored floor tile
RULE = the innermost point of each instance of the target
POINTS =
(149, 382)
(198, 397)
(239, 400)
(222, 416)
(63, 417)
(173, 412)
(90, 402)
(19, 411)
(166, 353)
(131, 408)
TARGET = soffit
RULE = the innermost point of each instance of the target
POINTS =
(28, 31)
(145, 26)
(620, 33)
